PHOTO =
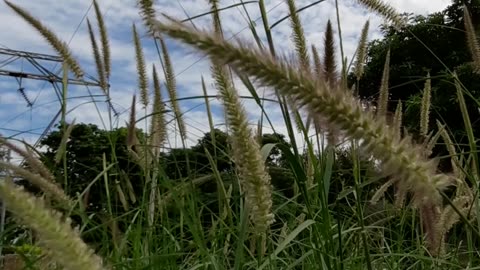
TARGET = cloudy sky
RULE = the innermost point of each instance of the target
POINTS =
(67, 19)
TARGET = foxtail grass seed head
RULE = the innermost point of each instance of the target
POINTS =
(172, 89)
(425, 108)
(458, 172)
(329, 62)
(362, 52)
(246, 150)
(317, 63)
(217, 25)
(141, 68)
(98, 59)
(381, 191)
(248, 160)
(432, 141)
(398, 158)
(60, 47)
(472, 40)
(330, 74)
(158, 125)
(62, 242)
(107, 62)
(382, 102)
(298, 35)
(50, 188)
(385, 10)
(147, 12)
(132, 140)
(397, 119)
(33, 162)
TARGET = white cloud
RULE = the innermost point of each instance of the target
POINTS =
(419, 7)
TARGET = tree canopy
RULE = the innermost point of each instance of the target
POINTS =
(434, 44)
(88, 144)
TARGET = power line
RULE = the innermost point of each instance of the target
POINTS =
(233, 36)
(43, 74)
(68, 43)
(57, 79)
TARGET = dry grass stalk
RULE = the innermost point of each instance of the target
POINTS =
(135, 148)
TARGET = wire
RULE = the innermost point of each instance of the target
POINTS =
(203, 57)
(233, 36)
(76, 29)
(28, 131)
(176, 75)
(70, 40)
(186, 13)
(44, 71)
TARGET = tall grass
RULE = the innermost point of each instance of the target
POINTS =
(250, 224)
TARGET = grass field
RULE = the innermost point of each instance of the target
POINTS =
(386, 207)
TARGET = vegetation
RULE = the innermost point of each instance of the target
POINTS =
(365, 192)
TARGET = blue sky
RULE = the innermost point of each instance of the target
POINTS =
(64, 17)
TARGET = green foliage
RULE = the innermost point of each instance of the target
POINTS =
(435, 43)
(88, 143)
(175, 161)
(84, 151)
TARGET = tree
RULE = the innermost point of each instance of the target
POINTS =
(87, 145)
(436, 44)
(85, 150)
(175, 161)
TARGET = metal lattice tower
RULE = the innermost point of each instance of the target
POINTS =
(37, 62)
